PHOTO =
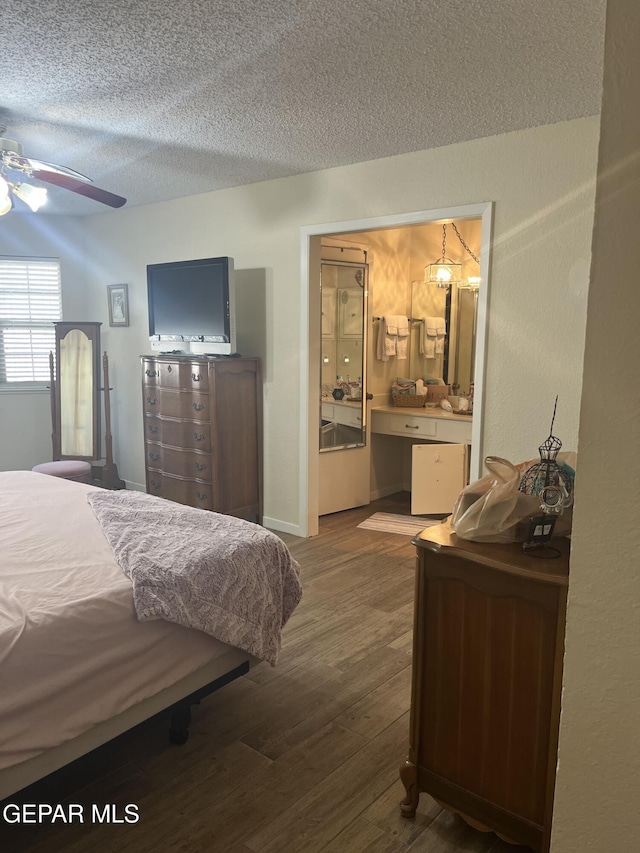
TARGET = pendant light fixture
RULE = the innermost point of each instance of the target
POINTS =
(443, 272)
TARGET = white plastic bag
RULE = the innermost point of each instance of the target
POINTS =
(491, 509)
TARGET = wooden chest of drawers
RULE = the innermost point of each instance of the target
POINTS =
(203, 432)
(487, 673)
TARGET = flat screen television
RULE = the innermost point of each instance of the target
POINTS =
(192, 306)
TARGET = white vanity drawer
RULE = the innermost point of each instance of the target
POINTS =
(403, 424)
(456, 432)
(421, 426)
(349, 415)
(327, 411)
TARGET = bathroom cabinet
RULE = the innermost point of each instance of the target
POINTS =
(349, 414)
(487, 670)
(434, 487)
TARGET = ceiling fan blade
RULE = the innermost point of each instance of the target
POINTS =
(69, 183)
(13, 160)
(52, 167)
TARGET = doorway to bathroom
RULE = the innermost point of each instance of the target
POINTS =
(398, 250)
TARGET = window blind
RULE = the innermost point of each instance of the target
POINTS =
(30, 300)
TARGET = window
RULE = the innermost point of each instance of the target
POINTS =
(30, 300)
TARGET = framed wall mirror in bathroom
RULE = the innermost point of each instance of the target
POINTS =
(343, 354)
(458, 306)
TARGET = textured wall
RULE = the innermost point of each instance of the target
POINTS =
(597, 785)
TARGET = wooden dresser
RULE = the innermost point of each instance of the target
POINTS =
(203, 432)
(487, 670)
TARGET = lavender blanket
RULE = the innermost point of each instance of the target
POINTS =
(219, 574)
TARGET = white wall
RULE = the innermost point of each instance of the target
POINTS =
(25, 417)
(542, 183)
(599, 766)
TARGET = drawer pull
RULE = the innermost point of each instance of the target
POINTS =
(151, 373)
(169, 368)
(410, 426)
(153, 428)
(154, 483)
(198, 407)
(198, 436)
(199, 467)
(152, 401)
(154, 456)
(201, 496)
(196, 377)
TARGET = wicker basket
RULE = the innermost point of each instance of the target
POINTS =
(409, 401)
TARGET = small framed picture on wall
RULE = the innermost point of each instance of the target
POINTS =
(118, 304)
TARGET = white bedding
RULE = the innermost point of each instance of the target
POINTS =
(72, 652)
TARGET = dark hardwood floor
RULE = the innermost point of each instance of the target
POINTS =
(300, 757)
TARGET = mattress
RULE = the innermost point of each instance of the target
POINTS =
(72, 653)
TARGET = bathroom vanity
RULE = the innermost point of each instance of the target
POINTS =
(346, 412)
(432, 424)
(438, 444)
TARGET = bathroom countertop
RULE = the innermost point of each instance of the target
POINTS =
(426, 412)
(342, 402)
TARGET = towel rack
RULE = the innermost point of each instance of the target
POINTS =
(410, 319)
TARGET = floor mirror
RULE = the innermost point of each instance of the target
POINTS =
(75, 397)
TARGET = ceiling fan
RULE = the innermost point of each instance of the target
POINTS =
(17, 172)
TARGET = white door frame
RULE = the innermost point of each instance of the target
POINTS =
(310, 348)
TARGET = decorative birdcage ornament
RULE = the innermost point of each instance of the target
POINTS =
(547, 478)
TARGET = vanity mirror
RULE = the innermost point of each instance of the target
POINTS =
(458, 305)
(343, 368)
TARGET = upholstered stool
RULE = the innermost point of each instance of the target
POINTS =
(67, 469)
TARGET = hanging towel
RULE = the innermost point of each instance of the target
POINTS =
(381, 344)
(432, 341)
(393, 333)
(401, 324)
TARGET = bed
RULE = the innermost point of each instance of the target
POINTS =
(77, 666)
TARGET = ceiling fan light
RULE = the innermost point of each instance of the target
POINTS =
(35, 197)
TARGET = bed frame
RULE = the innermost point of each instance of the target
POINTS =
(175, 701)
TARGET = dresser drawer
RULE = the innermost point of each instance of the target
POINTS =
(186, 463)
(181, 491)
(150, 372)
(176, 404)
(153, 455)
(181, 463)
(183, 374)
(192, 436)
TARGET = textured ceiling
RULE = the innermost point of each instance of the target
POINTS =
(157, 100)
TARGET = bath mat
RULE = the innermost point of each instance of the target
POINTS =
(387, 522)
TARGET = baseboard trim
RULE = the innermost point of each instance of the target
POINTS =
(281, 526)
(137, 487)
(388, 490)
